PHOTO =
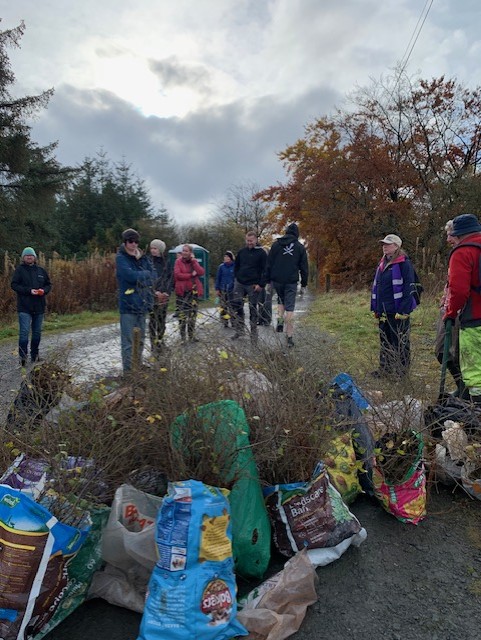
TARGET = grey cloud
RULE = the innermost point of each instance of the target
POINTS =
(192, 160)
(172, 73)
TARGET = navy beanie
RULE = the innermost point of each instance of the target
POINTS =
(464, 224)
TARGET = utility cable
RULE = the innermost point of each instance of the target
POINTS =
(414, 38)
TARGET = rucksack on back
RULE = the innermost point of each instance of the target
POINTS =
(416, 288)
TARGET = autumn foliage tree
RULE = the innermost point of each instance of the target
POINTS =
(403, 159)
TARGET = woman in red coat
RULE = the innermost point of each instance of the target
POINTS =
(188, 288)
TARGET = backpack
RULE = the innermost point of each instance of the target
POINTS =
(417, 288)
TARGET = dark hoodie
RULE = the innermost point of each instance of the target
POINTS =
(25, 278)
(287, 258)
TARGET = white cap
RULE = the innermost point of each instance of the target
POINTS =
(392, 238)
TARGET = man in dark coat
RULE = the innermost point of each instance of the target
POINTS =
(31, 284)
(287, 260)
(136, 278)
(249, 273)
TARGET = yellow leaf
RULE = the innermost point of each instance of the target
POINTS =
(223, 355)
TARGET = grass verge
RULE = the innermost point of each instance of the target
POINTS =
(56, 323)
(346, 317)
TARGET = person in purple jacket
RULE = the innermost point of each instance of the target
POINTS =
(392, 302)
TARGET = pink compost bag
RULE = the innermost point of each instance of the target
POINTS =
(407, 500)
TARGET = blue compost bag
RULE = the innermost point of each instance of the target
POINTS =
(192, 591)
(35, 548)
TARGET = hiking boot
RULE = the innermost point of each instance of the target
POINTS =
(280, 325)
(290, 342)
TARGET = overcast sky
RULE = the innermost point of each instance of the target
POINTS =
(199, 95)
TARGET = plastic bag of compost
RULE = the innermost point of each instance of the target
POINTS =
(312, 515)
(34, 553)
(192, 591)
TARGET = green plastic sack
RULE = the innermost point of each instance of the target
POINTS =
(251, 531)
(81, 570)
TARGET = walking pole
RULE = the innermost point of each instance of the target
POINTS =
(444, 366)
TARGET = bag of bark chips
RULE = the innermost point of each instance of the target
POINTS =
(192, 591)
(312, 515)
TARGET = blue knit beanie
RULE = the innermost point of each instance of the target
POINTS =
(28, 251)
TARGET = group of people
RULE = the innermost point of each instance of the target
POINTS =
(393, 299)
(254, 274)
(146, 283)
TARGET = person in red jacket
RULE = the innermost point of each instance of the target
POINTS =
(464, 298)
(188, 288)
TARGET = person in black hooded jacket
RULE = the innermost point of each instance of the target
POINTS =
(287, 260)
(31, 284)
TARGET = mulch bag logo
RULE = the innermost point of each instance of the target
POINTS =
(10, 501)
(217, 602)
(132, 516)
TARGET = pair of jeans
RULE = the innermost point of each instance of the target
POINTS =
(27, 322)
(129, 322)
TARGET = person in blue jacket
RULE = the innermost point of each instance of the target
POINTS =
(224, 288)
(136, 278)
(392, 302)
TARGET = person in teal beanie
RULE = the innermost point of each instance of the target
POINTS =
(31, 284)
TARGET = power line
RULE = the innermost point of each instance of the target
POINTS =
(414, 38)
